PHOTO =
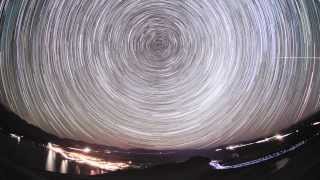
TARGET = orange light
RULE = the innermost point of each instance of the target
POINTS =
(89, 160)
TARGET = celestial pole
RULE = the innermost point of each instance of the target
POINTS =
(160, 74)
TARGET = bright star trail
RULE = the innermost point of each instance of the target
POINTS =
(160, 74)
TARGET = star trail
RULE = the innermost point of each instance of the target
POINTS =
(160, 74)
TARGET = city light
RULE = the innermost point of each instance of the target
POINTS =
(87, 150)
(17, 137)
(87, 159)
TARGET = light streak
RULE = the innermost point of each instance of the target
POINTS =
(160, 74)
(17, 137)
(275, 137)
(281, 137)
(86, 150)
(315, 123)
(88, 160)
(217, 165)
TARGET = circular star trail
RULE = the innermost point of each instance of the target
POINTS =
(160, 74)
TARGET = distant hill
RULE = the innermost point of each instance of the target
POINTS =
(12, 123)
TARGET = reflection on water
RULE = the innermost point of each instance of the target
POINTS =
(64, 166)
(80, 159)
(94, 164)
(51, 161)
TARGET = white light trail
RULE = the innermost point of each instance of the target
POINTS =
(86, 159)
(160, 74)
(217, 165)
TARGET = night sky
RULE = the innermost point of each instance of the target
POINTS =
(160, 74)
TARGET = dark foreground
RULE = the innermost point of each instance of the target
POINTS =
(303, 163)
(26, 159)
